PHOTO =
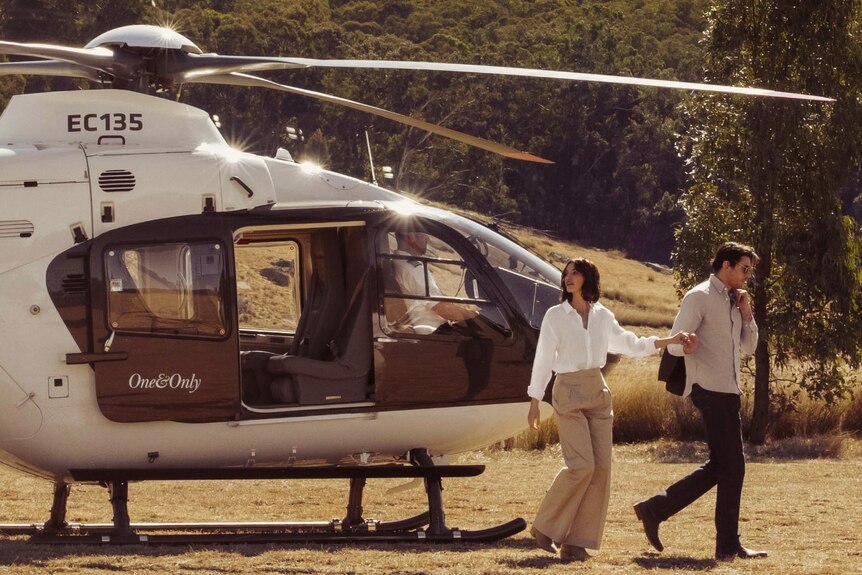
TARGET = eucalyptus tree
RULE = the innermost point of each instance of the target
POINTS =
(770, 173)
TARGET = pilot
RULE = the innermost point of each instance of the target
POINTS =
(422, 315)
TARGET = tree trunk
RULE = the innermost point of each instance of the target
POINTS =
(760, 416)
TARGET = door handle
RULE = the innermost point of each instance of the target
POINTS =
(79, 358)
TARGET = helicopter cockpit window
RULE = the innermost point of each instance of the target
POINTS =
(533, 282)
(445, 294)
(173, 289)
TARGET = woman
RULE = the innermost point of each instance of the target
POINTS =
(574, 341)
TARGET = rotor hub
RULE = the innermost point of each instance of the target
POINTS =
(144, 36)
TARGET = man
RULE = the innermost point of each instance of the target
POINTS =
(424, 316)
(718, 314)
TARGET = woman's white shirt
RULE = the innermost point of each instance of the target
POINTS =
(565, 345)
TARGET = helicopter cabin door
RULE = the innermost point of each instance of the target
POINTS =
(444, 340)
(162, 329)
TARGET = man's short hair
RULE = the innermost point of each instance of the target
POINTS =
(592, 288)
(732, 252)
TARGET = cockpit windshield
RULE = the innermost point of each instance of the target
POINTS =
(532, 281)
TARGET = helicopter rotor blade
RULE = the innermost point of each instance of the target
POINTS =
(237, 79)
(117, 53)
(98, 58)
(550, 74)
(48, 68)
(190, 66)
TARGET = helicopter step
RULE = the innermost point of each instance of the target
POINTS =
(425, 527)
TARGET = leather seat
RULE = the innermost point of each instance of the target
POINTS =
(343, 376)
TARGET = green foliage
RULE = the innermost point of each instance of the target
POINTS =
(770, 173)
(617, 172)
(616, 175)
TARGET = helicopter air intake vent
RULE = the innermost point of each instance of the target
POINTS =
(16, 229)
(75, 283)
(117, 181)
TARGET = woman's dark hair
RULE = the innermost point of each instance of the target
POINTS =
(592, 288)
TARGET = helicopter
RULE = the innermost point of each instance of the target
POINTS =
(175, 309)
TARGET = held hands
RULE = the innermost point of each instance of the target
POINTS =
(678, 338)
(689, 343)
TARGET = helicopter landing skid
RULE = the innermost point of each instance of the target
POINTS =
(426, 527)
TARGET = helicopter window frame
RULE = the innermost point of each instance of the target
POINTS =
(393, 317)
(174, 289)
(533, 284)
(295, 283)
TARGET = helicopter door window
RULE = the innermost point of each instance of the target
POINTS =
(533, 283)
(267, 285)
(173, 289)
(447, 294)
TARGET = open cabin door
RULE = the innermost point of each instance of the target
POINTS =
(163, 322)
(312, 352)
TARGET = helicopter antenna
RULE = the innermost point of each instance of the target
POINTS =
(370, 159)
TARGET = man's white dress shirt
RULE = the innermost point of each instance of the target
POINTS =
(410, 279)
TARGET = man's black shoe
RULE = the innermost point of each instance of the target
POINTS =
(650, 524)
(740, 552)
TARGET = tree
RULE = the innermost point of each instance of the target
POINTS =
(770, 173)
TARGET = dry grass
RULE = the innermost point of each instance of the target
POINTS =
(644, 411)
(263, 302)
(637, 294)
(803, 511)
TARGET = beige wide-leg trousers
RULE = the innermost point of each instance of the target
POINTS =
(574, 508)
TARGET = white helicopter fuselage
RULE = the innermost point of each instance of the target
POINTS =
(64, 161)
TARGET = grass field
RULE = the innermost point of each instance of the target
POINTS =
(803, 509)
(804, 512)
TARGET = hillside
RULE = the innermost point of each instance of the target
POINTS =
(638, 295)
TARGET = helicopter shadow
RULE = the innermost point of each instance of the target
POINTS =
(20, 551)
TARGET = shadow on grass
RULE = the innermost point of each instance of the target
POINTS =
(538, 562)
(20, 551)
(655, 561)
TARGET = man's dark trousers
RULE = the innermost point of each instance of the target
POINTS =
(725, 468)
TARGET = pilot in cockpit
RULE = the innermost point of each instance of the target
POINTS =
(423, 316)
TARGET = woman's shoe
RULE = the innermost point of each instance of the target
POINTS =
(543, 541)
(569, 553)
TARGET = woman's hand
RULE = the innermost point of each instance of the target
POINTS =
(679, 338)
(533, 415)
